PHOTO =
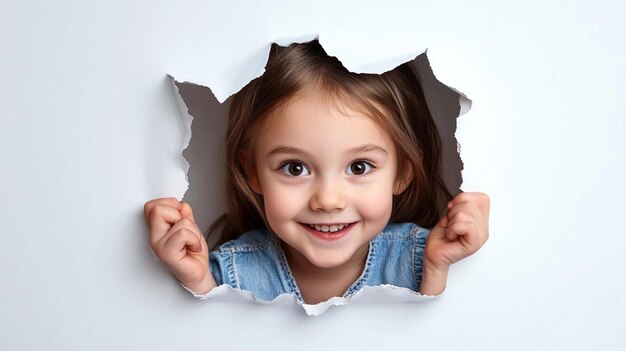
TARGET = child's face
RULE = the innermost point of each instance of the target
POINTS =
(327, 167)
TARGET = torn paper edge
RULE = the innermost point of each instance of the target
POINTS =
(384, 293)
(222, 93)
(187, 120)
(465, 103)
(375, 294)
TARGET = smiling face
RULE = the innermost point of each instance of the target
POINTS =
(327, 174)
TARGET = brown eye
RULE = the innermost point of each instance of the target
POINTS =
(359, 168)
(294, 169)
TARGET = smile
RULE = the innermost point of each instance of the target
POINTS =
(328, 228)
(328, 232)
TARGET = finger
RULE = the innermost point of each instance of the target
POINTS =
(184, 223)
(473, 230)
(465, 207)
(460, 216)
(453, 231)
(480, 200)
(149, 206)
(470, 212)
(177, 244)
(451, 235)
(461, 228)
(162, 218)
(467, 235)
(440, 228)
(186, 211)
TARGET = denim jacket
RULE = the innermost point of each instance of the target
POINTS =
(256, 262)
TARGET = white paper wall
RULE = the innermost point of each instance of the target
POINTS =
(90, 129)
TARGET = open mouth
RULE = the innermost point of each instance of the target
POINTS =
(328, 231)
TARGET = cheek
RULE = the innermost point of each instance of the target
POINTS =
(376, 202)
(280, 204)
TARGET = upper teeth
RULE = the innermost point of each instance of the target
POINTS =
(328, 228)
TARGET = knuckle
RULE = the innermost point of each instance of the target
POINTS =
(466, 196)
(166, 257)
(154, 202)
(183, 232)
(459, 212)
(187, 223)
(466, 217)
(155, 214)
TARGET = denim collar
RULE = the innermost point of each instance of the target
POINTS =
(291, 281)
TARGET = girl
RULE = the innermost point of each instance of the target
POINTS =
(332, 178)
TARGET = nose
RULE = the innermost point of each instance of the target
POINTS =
(328, 196)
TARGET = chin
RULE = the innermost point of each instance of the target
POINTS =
(328, 260)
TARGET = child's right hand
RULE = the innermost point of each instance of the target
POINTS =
(178, 243)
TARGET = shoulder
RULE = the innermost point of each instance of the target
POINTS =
(253, 262)
(250, 248)
(396, 256)
(254, 240)
(407, 232)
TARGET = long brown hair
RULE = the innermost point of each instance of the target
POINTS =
(394, 100)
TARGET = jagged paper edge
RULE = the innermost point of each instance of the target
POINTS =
(368, 294)
(187, 120)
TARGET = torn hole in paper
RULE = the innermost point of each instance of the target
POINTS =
(206, 119)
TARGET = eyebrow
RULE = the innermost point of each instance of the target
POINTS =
(285, 150)
(359, 149)
(369, 148)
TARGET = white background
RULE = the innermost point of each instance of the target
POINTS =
(90, 130)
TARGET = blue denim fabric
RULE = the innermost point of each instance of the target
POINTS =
(256, 262)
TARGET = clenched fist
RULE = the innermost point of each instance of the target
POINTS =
(177, 241)
(460, 233)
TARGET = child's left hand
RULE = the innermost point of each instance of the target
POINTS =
(458, 234)
(461, 232)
